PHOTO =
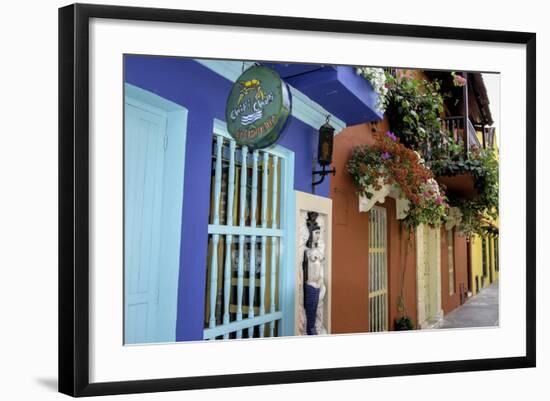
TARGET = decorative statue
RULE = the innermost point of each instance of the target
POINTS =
(314, 288)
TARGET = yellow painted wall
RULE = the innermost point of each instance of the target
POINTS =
(476, 243)
(492, 274)
(475, 254)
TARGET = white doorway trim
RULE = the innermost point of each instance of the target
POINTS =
(171, 206)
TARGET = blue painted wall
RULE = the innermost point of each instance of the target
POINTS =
(339, 89)
(204, 93)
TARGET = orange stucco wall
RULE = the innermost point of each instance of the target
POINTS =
(350, 244)
(401, 259)
(448, 301)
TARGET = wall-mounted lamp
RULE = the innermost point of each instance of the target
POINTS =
(324, 152)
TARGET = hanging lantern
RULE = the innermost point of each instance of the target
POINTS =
(326, 142)
(324, 153)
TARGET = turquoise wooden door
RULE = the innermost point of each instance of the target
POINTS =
(145, 138)
(154, 158)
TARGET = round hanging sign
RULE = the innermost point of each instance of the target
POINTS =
(257, 107)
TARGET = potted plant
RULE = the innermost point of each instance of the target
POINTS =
(403, 323)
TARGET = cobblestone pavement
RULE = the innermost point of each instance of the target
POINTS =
(481, 310)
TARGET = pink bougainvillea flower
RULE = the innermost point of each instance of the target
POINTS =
(391, 135)
(386, 156)
(439, 200)
(458, 80)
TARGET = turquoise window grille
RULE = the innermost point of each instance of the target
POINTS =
(249, 242)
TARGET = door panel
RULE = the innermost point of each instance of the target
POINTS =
(143, 169)
(430, 271)
(428, 275)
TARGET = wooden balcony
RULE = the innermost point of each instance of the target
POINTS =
(460, 185)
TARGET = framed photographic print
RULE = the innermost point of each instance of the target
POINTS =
(251, 199)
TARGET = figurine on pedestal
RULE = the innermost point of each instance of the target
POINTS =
(313, 278)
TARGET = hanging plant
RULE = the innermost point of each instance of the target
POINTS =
(377, 78)
(389, 162)
(458, 80)
(403, 323)
(483, 166)
(413, 108)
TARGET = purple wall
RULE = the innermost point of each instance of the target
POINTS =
(203, 93)
(339, 89)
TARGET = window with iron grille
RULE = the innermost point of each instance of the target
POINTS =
(245, 240)
(378, 271)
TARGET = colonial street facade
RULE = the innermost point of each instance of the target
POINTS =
(226, 238)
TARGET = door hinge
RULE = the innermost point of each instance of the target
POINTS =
(165, 142)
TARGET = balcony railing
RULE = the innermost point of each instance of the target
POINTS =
(454, 126)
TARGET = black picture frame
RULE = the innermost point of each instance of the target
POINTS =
(74, 194)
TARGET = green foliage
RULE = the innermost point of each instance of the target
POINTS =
(413, 108)
(431, 214)
(404, 323)
(483, 165)
(365, 166)
(389, 162)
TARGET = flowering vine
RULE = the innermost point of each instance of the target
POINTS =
(388, 162)
(377, 79)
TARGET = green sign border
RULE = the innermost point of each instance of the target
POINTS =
(281, 117)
